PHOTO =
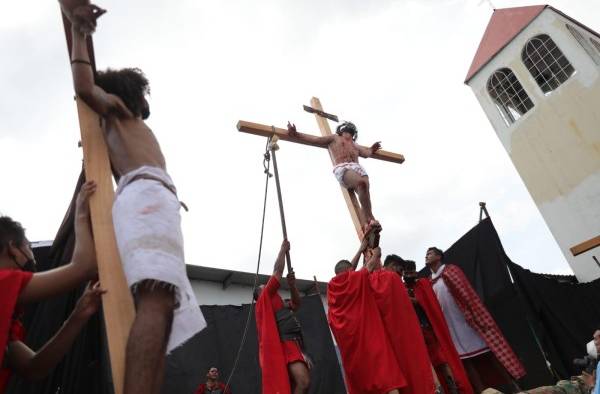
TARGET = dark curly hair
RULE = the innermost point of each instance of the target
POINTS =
(10, 231)
(129, 84)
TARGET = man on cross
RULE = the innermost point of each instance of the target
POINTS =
(349, 173)
(145, 212)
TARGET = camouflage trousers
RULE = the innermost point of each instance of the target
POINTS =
(575, 385)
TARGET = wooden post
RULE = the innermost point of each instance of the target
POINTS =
(349, 197)
(117, 303)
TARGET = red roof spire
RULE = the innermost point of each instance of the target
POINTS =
(504, 25)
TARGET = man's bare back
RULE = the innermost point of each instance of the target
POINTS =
(131, 144)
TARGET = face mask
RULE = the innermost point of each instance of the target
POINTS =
(28, 266)
(591, 349)
(145, 113)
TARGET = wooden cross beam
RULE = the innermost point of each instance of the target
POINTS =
(349, 197)
(117, 303)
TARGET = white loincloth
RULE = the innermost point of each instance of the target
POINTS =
(148, 232)
(467, 341)
(340, 169)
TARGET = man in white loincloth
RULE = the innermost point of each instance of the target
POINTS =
(349, 173)
(145, 211)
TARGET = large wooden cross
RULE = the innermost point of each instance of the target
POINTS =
(349, 197)
(117, 303)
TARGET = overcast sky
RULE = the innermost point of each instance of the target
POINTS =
(394, 68)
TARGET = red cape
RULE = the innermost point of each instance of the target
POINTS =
(428, 301)
(403, 331)
(369, 362)
(275, 379)
(480, 319)
(12, 282)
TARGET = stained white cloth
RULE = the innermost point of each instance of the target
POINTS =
(340, 169)
(467, 341)
(148, 233)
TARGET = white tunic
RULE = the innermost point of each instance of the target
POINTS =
(467, 341)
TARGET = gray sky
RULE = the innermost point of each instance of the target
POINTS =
(395, 68)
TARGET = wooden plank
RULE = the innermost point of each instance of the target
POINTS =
(267, 131)
(117, 303)
(585, 246)
(350, 198)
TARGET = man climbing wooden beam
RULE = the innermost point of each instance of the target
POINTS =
(145, 213)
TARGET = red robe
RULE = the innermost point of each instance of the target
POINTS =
(428, 301)
(272, 351)
(369, 362)
(12, 282)
(403, 331)
(478, 317)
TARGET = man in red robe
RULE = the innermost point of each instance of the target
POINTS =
(280, 342)
(401, 326)
(488, 358)
(369, 361)
(19, 286)
(442, 352)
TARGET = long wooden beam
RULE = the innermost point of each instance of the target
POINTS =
(267, 131)
(117, 303)
(585, 246)
(349, 197)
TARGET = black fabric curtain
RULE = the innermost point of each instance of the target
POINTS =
(567, 315)
(217, 346)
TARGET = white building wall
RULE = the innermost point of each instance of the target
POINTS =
(555, 146)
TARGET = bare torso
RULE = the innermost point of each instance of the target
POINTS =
(131, 144)
(343, 150)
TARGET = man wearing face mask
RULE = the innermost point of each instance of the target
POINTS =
(145, 211)
(20, 285)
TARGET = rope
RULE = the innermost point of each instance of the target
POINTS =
(267, 167)
(280, 200)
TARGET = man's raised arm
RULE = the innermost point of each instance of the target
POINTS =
(368, 152)
(81, 18)
(361, 249)
(280, 262)
(313, 139)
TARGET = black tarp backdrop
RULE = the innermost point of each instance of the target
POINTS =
(479, 253)
(567, 315)
(218, 343)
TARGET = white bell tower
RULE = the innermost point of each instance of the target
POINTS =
(536, 75)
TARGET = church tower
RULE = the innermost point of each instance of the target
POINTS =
(536, 75)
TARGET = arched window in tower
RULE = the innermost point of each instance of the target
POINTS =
(508, 94)
(584, 43)
(546, 63)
